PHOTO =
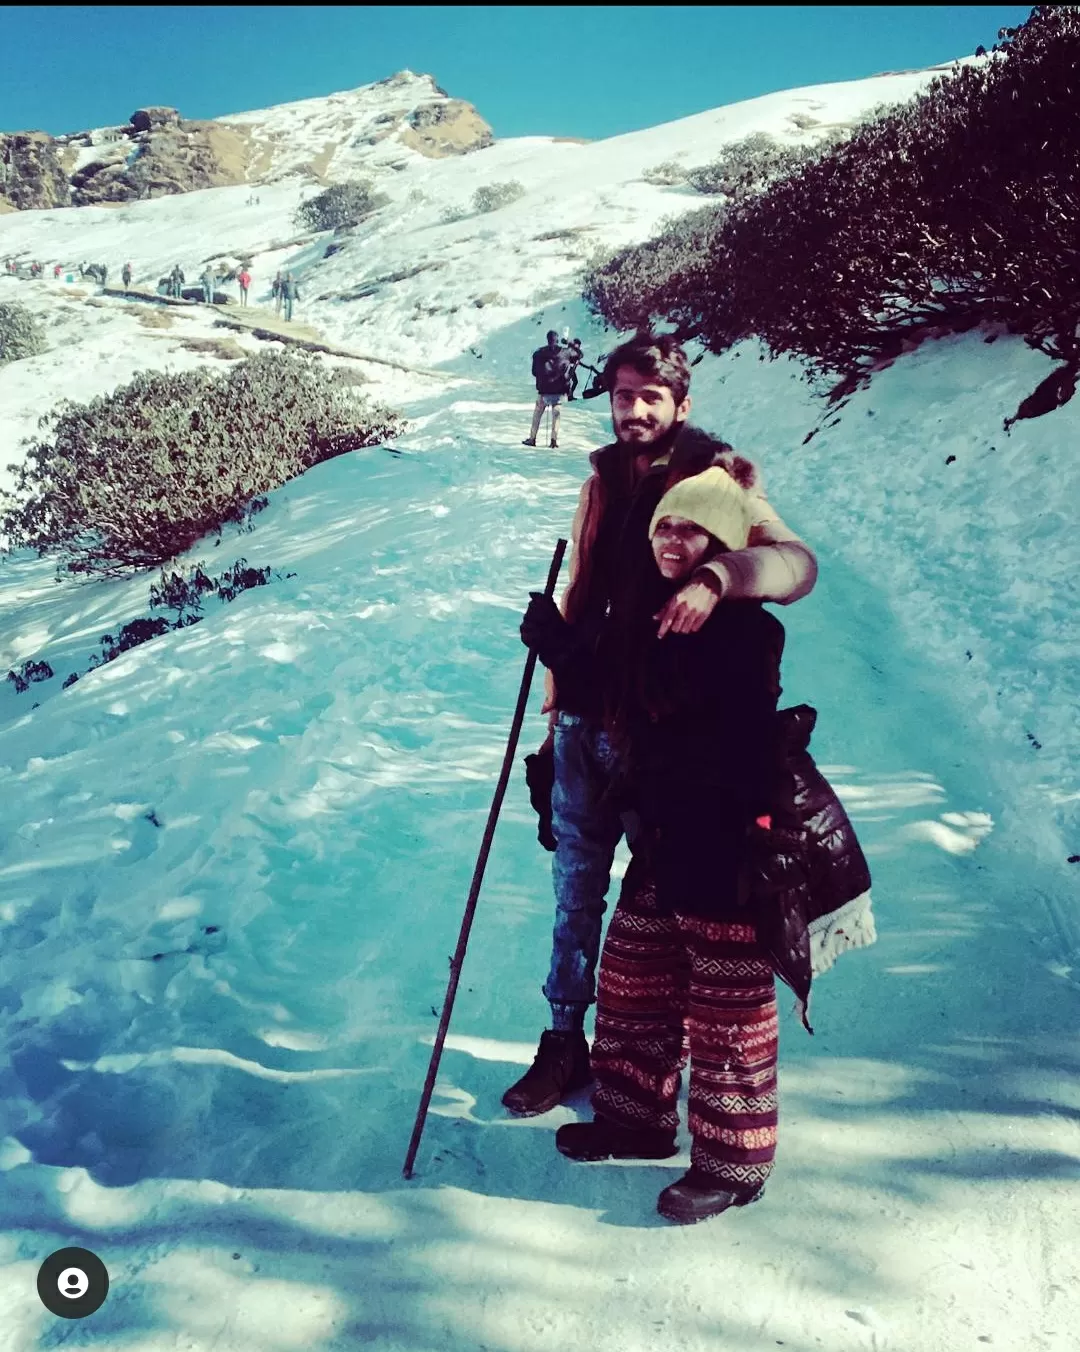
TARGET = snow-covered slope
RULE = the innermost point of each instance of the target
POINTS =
(232, 862)
(576, 197)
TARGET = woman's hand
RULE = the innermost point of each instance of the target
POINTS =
(688, 609)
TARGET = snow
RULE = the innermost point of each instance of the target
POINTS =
(234, 860)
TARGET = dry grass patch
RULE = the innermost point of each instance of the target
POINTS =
(155, 319)
(228, 349)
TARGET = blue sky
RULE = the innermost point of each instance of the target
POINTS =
(589, 71)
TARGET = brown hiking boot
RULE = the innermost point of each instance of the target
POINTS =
(697, 1196)
(560, 1067)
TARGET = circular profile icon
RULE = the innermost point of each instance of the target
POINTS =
(72, 1283)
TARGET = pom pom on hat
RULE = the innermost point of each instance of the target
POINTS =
(711, 500)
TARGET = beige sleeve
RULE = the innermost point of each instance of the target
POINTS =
(776, 564)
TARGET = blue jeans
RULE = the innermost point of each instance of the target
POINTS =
(586, 833)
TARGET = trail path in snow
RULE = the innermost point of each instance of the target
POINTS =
(226, 1125)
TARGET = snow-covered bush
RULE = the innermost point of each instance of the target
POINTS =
(492, 196)
(658, 281)
(747, 165)
(665, 175)
(663, 278)
(956, 208)
(339, 206)
(136, 477)
(21, 333)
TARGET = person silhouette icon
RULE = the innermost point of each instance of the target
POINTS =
(73, 1283)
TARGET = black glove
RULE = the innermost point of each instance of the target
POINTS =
(545, 631)
(540, 777)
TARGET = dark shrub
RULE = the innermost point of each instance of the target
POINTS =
(668, 174)
(492, 196)
(21, 333)
(136, 477)
(28, 673)
(957, 208)
(747, 165)
(339, 206)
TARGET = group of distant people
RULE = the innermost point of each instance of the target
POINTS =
(284, 288)
(36, 269)
(555, 369)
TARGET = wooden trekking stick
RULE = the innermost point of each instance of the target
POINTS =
(477, 878)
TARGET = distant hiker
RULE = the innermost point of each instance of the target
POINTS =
(550, 368)
(275, 291)
(289, 292)
(648, 382)
(103, 273)
(208, 282)
(244, 279)
(57, 271)
(176, 282)
(125, 275)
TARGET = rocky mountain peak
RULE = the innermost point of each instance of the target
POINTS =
(158, 153)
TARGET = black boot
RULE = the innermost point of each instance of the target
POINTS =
(529, 441)
(561, 1066)
(602, 1139)
(697, 1196)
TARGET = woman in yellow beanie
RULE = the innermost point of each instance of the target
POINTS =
(694, 720)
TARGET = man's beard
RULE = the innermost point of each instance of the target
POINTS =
(654, 448)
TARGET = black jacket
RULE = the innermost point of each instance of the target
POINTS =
(693, 718)
(709, 762)
(800, 872)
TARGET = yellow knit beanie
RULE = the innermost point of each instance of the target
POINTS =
(711, 500)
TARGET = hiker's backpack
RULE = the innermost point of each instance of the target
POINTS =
(554, 377)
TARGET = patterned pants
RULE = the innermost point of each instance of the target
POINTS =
(673, 986)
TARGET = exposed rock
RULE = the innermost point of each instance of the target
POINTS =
(149, 119)
(176, 157)
(157, 153)
(439, 130)
(31, 172)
